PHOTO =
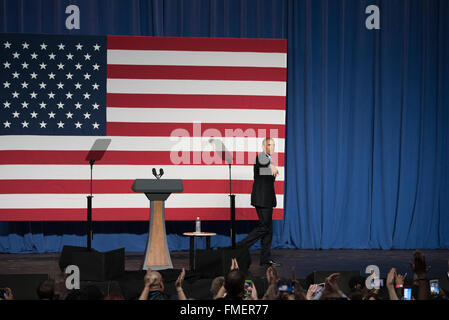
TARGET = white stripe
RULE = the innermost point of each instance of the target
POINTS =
(178, 200)
(173, 115)
(164, 86)
(197, 58)
(174, 143)
(126, 172)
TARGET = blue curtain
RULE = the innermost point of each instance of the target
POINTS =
(367, 114)
(367, 133)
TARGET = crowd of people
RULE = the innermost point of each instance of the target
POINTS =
(235, 286)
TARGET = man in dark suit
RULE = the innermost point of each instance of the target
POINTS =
(263, 198)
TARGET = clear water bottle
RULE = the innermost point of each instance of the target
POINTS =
(198, 225)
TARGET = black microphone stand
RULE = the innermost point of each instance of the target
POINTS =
(232, 206)
(90, 234)
(96, 153)
(226, 156)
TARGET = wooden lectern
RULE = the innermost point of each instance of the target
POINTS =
(157, 255)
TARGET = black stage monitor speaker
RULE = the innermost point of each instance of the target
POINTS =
(66, 258)
(94, 265)
(214, 263)
(208, 263)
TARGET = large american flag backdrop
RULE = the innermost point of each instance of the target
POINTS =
(160, 100)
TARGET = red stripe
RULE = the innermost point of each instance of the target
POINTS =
(121, 186)
(195, 73)
(122, 100)
(129, 157)
(130, 214)
(197, 44)
(195, 130)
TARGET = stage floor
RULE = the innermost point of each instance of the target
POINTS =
(304, 261)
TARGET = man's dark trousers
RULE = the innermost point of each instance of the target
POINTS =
(263, 231)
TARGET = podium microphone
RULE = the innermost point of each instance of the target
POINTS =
(161, 173)
(155, 173)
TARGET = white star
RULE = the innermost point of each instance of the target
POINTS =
(7, 45)
(97, 47)
(60, 85)
(86, 115)
(78, 105)
(78, 85)
(69, 115)
(96, 67)
(86, 96)
(69, 75)
(79, 46)
(33, 95)
(16, 55)
(34, 55)
(16, 75)
(25, 45)
(24, 85)
(43, 124)
(43, 105)
(15, 94)
(6, 104)
(33, 114)
(60, 66)
(24, 65)
(69, 95)
(51, 75)
(60, 124)
(69, 56)
(87, 56)
(51, 115)
(7, 65)
(6, 84)
(42, 85)
(60, 105)
(51, 95)
(43, 46)
(25, 124)
(25, 105)
(16, 114)
(52, 56)
(96, 125)
(43, 66)
(86, 76)
(95, 86)
(33, 75)
(7, 124)
(78, 125)
(61, 46)
(78, 66)
(96, 106)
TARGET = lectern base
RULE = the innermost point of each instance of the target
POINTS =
(157, 255)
